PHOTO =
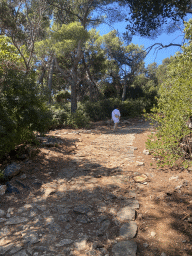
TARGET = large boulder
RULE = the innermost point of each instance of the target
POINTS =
(12, 170)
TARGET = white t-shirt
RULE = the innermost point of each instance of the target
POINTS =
(115, 113)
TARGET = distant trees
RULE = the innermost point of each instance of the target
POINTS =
(76, 11)
(54, 39)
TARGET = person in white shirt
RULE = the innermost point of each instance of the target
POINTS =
(116, 117)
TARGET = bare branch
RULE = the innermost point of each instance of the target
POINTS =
(161, 46)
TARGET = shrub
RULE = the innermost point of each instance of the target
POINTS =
(22, 109)
(174, 108)
(60, 113)
(78, 120)
(101, 110)
(63, 96)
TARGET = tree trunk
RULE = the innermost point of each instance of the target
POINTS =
(73, 91)
(50, 78)
(124, 92)
(78, 57)
(40, 80)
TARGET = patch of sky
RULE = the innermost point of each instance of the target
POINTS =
(172, 35)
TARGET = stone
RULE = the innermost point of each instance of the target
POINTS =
(82, 209)
(132, 203)
(113, 211)
(2, 213)
(140, 178)
(102, 218)
(41, 207)
(10, 210)
(125, 248)
(31, 238)
(104, 226)
(5, 231)
(139, 163)
(153, 234)
(174, 178)
(126, 213)
(33, 213)
(41, 248)
(23, 176)
(16, 249)
(12, 170)
(54, 228)
(10, 189)
(68, 226)
(146, 152)
(16, 220)
(163, 254)
(145, 245)
(81, 245)
(101, 207)
(49, 220)
(2, 189)
(82, 219)
(62, 209)
(64, 242)
(5, 248)
(178, 187)
(65, 218)
(128, 230)
(132, 194)
(21, 253)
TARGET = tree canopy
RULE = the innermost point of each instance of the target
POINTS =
(147, 17)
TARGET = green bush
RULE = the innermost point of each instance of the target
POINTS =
(22, 110)
(63, 96)
(79, 119)
(60, 113)
(174, 108)
(101, 110)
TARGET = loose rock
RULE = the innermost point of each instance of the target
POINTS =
(64, 242)
(125, 248)
(126, 213)
(12, 170)
(128, 230)
(2, 189)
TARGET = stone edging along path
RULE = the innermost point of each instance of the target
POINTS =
(88, 209)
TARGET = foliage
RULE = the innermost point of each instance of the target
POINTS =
(174, 108)
(24, 22)
(101, 110)
(62, 96)
(62, 117)
(79, 119)
(148, 17)
(60, 113)
(66, 38)
(22, 110)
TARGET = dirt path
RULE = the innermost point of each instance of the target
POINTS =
(97, 193)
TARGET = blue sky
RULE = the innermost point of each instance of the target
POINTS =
(153, 56)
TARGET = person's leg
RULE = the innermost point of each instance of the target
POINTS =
(115, 126)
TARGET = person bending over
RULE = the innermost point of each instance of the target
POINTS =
(116, 117)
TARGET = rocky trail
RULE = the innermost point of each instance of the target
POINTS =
(95, 192)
